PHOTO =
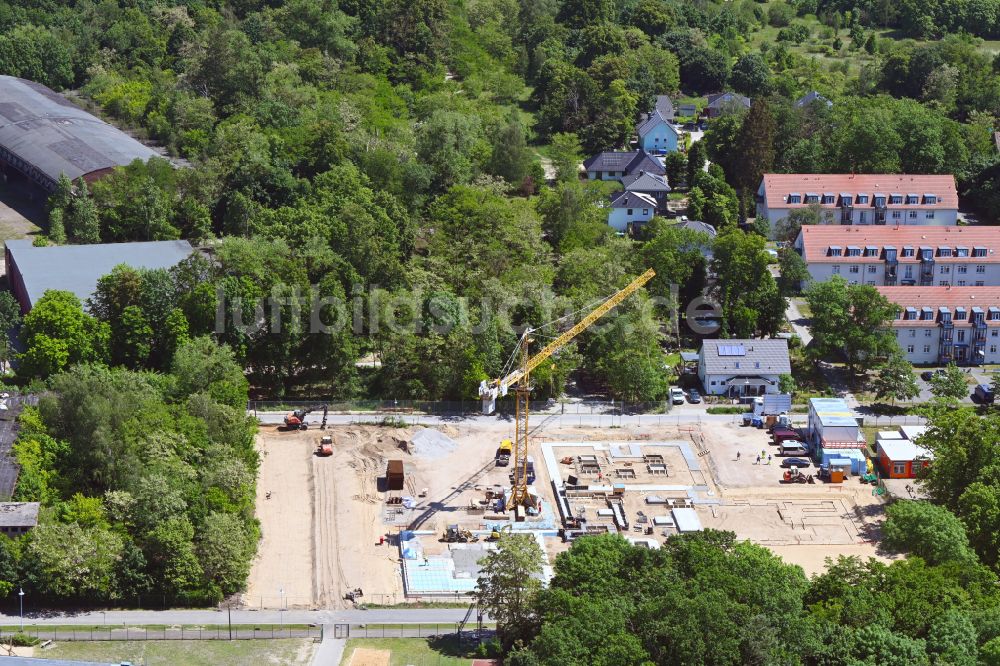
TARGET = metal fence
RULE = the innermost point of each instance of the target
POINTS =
(403, 408)
(410, 630)
(167, 633)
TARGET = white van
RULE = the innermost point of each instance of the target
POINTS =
(791, 447)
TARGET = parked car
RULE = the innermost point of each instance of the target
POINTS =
(928, 375)
(693, 396)
(795, 462)
(781, 434)
(791, 447)
(676, 395)
(983, 394)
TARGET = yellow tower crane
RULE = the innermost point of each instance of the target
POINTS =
(489, 391)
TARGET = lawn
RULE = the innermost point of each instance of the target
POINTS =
(412, 651)
(281, 652)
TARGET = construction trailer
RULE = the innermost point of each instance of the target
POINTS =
(394, 479)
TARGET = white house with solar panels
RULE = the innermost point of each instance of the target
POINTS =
(742, 368)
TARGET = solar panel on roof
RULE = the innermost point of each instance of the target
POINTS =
(732, 350)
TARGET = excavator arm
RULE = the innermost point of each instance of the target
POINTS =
(489, 391)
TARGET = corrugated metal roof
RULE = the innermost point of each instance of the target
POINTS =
(51, 134)
(833, 412)
(77, 268)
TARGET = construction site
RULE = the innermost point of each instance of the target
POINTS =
(383, 514)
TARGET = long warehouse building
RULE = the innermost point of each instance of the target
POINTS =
(43, 135)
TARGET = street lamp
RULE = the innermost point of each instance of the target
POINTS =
(281, 610)
(20, 595)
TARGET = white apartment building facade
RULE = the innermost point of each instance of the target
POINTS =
(876, 199)
(902, 256)
(940, 325)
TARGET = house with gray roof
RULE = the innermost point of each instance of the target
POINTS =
(43, 135)
(615, 165)
(652, 184)
(738, 368)
(809, 98)
(657, 135)
(31, 271)
(629, 209)
(17, 518)
(664, 106)
(725, 103)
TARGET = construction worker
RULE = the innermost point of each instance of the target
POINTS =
(758, 460)
(768, 458)
(737, 456)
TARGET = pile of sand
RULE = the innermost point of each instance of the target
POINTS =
(430, 443)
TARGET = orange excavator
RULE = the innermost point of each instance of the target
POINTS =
(296, 420)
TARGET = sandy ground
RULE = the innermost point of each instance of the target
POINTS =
(370, 657)
(326, 517)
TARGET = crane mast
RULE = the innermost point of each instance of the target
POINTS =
(520, 378)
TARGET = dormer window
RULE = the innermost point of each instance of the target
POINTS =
(862, 199)
(871, 251)
(911, 314)
(853, 251)
(926, 314)
(828, 198)
(895, 198)
(944, 314)
(979, 251)
(912, 199)
(994, 313)
(812, 198)
(834, 251)
(846, 199)
(907, 251)
(944, 251)
(930, 199)
(879, 200)
(961, 251)
(959, 314)
(794, 198)
(926, 254)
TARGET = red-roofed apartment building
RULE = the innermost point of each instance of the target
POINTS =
(938, 325)
(861, 198)
(902, 256)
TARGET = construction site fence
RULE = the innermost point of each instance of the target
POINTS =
(170, 633)
(381, 408)
(409, 630)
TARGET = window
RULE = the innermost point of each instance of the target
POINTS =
(912, 199)
(862, 198)
(872, 269)
(899, 468)
(944, 251)
(980, 283)
(979, 252)
(960, 283)
(962, 269)
(930, 199)
(645, 211)
(993, 349)
(913, 333)
(927, 333)
(897, 214)
(853, 251)
(927, 349)
(929, 215)
(944, 283)
(794, 198)
(871, 251)
(854, 268)
(862, 217)
(629, 211)
(961, 336)
(995, 333)
(960, 314)
(980, 268)
(909, 349)
(908, 271)
(945, 270)
(961, 251)
(827, 198)
(913, 214)
(896, 199)
(836, 270)
(879, 202)
(812, 198)
(870, 283)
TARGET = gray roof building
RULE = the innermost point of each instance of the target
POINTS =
(31, 271)
(624, 162)
(748, 357)
(700, 227)
(16, 518)
(811, 97)
(727, 102)
(632, 200)
(646, 182)
(665, 107)
(43, 135)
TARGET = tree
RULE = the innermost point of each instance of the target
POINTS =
(794, 272)
(57, 231)
(852, 320)
(895, 380)
(566, 155)
(787, 384)
(675, 164)
(512, 160)
(751, 76)
(756, 153)
(70, 561)
(453, 145)
(57, 333)
(83, 224)
(696, 158)
(225, 551)
(949, 386)
(508, 583)
(573, 215)
(787, 228)
(928, 531)
(746, 290)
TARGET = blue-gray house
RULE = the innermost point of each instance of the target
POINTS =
(656, 134)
